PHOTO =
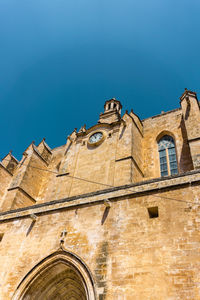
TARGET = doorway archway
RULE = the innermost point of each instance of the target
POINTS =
(60, 276)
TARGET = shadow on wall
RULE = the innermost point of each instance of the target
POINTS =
(30, 227)
(185, 163)
(105, 214)
(122, 132)
(187, 113)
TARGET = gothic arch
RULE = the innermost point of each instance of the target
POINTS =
(61, 275)
(163, 133)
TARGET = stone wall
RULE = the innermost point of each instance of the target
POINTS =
(129, 254)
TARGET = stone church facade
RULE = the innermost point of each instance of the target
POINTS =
(112, 214)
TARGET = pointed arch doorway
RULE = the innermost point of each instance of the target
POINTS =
(60, 276)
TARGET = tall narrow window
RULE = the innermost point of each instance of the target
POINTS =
(167, 154)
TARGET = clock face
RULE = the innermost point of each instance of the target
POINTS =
(96, 137)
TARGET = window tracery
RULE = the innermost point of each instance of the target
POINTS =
(167, 155)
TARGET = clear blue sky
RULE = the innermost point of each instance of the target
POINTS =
(61, 59)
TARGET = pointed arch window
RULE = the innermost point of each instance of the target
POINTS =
(167, 155)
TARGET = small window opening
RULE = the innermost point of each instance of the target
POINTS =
(109, 105)
(110, 134)
(1, 236)
(153, 212)
(115, 105)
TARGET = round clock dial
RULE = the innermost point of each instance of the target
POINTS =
(96, 137)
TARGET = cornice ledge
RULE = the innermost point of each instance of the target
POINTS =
(112, 194)
(162, 114)
(194, 139)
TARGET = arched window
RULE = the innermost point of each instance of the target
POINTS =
(167, 154)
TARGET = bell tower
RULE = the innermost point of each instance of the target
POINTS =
(112, 111)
